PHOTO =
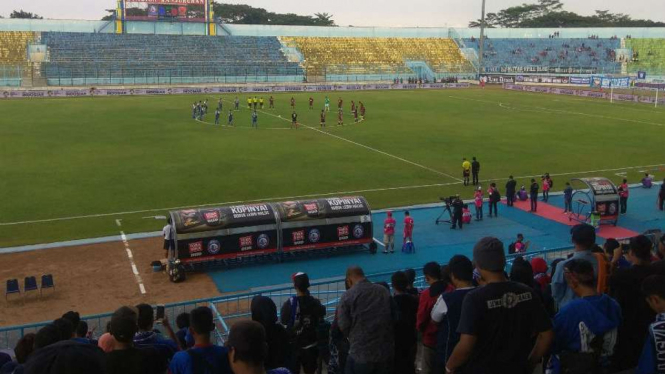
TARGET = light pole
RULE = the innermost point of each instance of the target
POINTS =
(482, 40)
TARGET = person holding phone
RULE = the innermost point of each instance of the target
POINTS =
(147, 337)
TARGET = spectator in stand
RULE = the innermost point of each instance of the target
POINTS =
(367, 316)
(248, 349)
(448, 308)
(568, 199)
(264, 311)
(637, 315)
(301, 315)
(586, 328)
(74, 318)
(22, 351)
(499, 321)
(424, 323)
(125, 358)
(405, 327)
(106, 342)
(533, 194)
(510, 191)
(647, 181)
(623, 196)
(540, 275)
(583, 238)
(411, 278)
(82, 334)
(522, 272)
(522, 195)
(65, 328)
(204, 357)
(652, 360)
(182, 323)
(66, 357)
(46, 336)
(519, 246)
(659, 266)
(146, 337)
(614, 254)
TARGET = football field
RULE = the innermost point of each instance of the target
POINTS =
(76, 168)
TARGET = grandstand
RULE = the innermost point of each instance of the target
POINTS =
(382, 57)
(648, 55)
(84, 58)
(13, 56)
(531, 54)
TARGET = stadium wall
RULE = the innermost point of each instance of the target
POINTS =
(143, 27)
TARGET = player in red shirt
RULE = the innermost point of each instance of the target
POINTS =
(362, 110)
(293, 103)
(340, 102)
(311, 103)
(272, 102)
(323, 118)
(353, 105)
(408, 227)
(340, 118)
(389, 233)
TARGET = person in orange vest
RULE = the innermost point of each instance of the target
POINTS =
(623, 196)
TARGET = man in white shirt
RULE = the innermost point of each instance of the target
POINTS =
(168, 232)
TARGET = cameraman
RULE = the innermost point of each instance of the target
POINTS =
(458, 207)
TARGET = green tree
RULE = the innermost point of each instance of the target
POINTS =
(245, 14)
(23, 14)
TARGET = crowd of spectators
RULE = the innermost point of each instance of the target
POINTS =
(600, 310)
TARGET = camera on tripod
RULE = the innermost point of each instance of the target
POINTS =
(448, 200)
(447, 215)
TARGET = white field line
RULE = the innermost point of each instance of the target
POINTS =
(377, 241)
(313, 195)
(130, 256)
(366, 147)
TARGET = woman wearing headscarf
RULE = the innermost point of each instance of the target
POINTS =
(264, 311)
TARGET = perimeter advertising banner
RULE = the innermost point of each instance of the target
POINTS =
(607, 82)
(325, 223)
(224, 232)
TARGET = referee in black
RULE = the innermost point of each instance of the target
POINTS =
(475, 170)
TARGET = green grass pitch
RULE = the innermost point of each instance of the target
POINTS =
(136, 156)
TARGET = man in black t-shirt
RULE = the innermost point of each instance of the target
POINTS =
(511, 185)
(499, 321)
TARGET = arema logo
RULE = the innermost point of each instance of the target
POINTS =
(358, 231)
(613, 209)
(314, 235)
(263, 241)
(214, 247)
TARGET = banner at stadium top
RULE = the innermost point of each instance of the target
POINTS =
(608, 82)
(167, 2)
(225, 89)
(583, 93)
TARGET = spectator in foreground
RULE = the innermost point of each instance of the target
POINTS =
(24, 348)
(301, 315)
(74, 318)
(125, 358)
(661, 196)
(540, 276)
(81, 334)
(366, 316)
(405, 327)
(264, 311)
(146, 337)
(637, 315)
(106, 342)
(66, 357)
(46, 336)
(499, 321)
(247, 349)
(65, 328)
(586, 328)
(448, 308)
(584, 238)
(182, 323)
(204, 357)
(522, 272)
(614, 253)
(411, 278)
(652, 361)
(659, 266)
(424, 323)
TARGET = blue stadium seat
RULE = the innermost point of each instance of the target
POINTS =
(12, 287)
(47, 282)
(29, 284)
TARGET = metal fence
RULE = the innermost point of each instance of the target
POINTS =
(231, 308)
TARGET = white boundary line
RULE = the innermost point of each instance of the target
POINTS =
(318, 195)
(130, 256)
(377, 241)
(366, 147)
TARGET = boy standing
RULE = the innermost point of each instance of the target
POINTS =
(623, 196)
(389, 233)
(408, 227)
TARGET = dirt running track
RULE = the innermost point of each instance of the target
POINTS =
(93, 279)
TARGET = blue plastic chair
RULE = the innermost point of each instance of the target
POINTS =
(12, 287)
(29, 284)
(47, 282)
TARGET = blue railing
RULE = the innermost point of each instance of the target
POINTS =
(227, 309)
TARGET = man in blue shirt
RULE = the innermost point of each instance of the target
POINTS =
(146, 337)
(652, 360)
(255, 119)
(204, 357)
(584, 238)
(568, 198)
(586, 328)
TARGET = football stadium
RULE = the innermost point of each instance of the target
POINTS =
(183, 193)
